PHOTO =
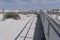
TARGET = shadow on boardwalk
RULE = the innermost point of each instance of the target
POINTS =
(39, 33)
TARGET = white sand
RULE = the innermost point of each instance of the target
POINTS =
(10, 28)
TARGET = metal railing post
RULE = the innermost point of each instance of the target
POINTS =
(48, 28)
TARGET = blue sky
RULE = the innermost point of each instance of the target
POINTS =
(29, 4)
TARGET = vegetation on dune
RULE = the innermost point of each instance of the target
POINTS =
(11, 15)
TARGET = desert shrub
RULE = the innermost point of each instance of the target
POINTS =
(11, 15)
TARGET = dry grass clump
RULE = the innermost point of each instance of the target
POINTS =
(11, 15)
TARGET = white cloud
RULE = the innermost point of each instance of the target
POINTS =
(50, 2)
(20, 2)
(45, 1)
(34, 1)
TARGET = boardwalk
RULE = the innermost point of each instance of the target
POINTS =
(30, 29)
(39, 33)
(33, 32)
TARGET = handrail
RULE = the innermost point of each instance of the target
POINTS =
(55, 30)
(51, 21)
(54, 20)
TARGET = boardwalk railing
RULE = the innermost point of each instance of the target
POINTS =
(51, 26)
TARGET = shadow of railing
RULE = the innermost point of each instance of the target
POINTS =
(39, 32)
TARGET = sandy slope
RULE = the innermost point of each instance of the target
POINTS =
(10, 28)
